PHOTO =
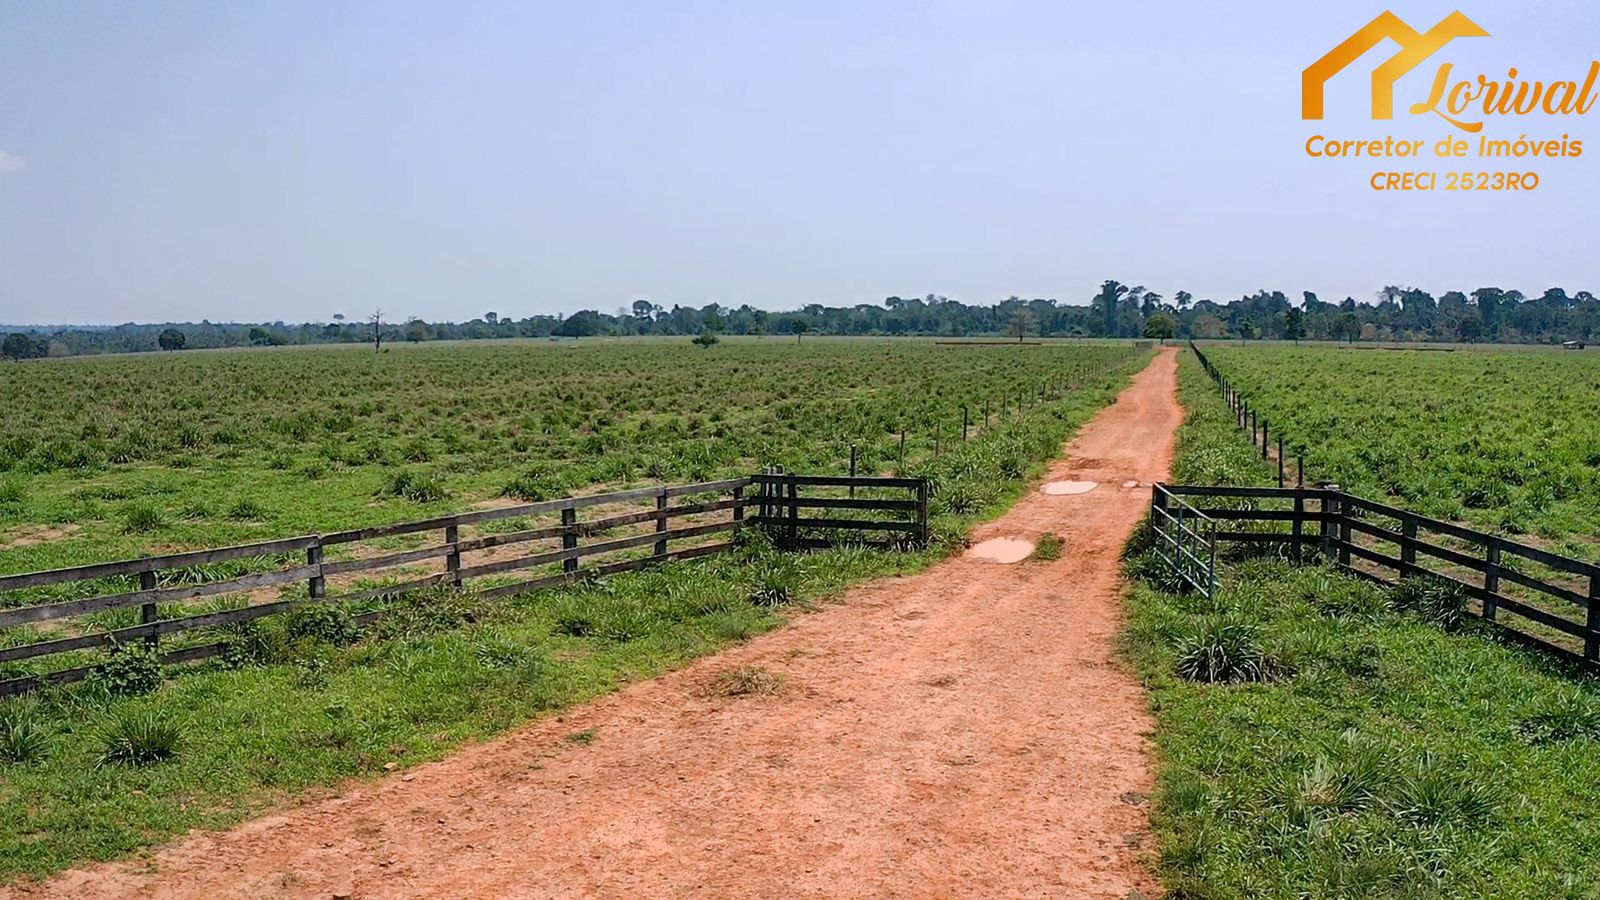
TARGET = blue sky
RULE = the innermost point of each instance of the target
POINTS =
(287, 160)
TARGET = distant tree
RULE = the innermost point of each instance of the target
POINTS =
(17, 346)
(417, 330)
(1183, 298)
(799, 327)
(1160, 327)
(492, 317)
(1470, 328)
(642, 309)
(1294, 325)
(259, 337)
(338, 317)
(1021, 323)
(1248, 330)
(705, 339)
(1206, 325)
(1108, 300)
(1348, 327)
(171, 339)
(376, 321)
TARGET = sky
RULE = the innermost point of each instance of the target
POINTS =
(178, 161)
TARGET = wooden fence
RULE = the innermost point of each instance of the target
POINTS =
(779, 504)
(68, 611)
(1550, 600)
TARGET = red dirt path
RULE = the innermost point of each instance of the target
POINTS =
(961, 732)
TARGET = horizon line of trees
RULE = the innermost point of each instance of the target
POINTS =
(1118, 310)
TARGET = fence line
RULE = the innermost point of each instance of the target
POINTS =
(1350, 535)
(314, 570)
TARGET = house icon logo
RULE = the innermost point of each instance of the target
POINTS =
(1414, 48)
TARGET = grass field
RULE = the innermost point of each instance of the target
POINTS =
(1350, 749)
(1505, 440)
(126, 759)
(110, 457)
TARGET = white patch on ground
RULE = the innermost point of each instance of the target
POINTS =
(1059, 488)
(1002, 550)
(1130, 484)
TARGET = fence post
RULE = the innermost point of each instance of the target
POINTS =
(1408, 553)
(1263, 438)
(1491, 580)
(1298, 526)
(963, 423)
(1330, 508)
(452, 560)
(794, 513)
(922, 511)
(1300, 469)
(738, 509)
(147, 612)
(852, 468)
(1591, 641)
(316, 585)
(569, 537)
(1344, 531)
(661, 521)
(1280, 461)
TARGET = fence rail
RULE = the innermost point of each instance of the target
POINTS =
(1552, 601)
(779, 506)
(702, 521)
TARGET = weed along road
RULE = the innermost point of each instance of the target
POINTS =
(965, 731)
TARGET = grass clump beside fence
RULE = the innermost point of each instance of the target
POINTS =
(1395, 749)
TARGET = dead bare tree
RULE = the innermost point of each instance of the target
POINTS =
(377, 328)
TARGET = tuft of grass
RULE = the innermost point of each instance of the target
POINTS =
(1049, 547)
(746, 681)
(13, 492)
(24, 737)
(246, 509)
(1567, 715)
(133, 737)
(142, 516)
(534, 485)
(1222, 650)
(1438, 600)
(418, 487)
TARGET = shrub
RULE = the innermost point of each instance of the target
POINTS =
(1222, 650)
(706, 339)
(428, 611)
(1150, 568)
(140, 517)
(129, 669)
(23, 737)
(322, 623)
(137, 738)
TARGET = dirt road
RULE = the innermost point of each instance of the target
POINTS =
(961, 732)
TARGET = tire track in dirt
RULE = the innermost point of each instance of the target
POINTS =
(961, 732)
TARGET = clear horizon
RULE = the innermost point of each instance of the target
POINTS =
(188, 161)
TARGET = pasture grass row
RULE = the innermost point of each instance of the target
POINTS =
(1505, 441)
(130, 759)
(1321, 736)
(106, 458)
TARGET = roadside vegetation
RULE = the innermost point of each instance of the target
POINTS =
(1321, 736)
(130, 758)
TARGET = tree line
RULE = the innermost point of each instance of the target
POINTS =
(1118, 310)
